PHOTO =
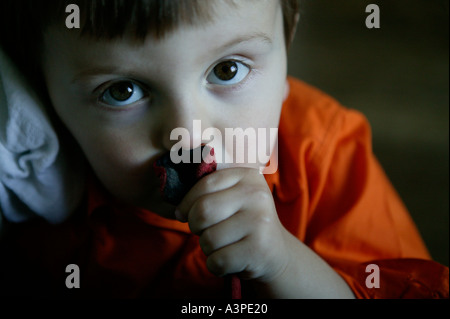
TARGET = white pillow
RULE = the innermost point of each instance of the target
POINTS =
(37, 177)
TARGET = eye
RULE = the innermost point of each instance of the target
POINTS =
(122, 93)
(228, 73)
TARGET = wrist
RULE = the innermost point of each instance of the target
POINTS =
(304, 275)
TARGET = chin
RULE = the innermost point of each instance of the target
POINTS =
(154, 203)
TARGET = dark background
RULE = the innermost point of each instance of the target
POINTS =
(398, 76)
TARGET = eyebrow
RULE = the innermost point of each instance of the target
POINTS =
(95, 71)
(261, 36)
(108, 70)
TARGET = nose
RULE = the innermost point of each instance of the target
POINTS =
(186, 117)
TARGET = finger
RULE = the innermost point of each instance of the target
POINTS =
(224, 233)
(230, 259)
(214, 208)
(211, 183)
(253, 256)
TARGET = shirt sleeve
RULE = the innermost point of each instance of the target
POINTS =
(357, 222)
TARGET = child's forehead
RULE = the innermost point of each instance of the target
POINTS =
(233, 29)
(242, 18)
(155, 18)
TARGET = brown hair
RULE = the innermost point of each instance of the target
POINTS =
(23, 21)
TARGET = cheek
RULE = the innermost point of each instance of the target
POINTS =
(120, 161)
(124, 167)
(119, 158)
(252, 130)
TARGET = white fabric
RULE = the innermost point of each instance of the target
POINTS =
(35, 177)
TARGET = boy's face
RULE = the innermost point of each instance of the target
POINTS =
(121, 99)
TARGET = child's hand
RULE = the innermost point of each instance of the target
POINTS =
(233, 212)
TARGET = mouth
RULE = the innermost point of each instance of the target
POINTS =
(179, 171)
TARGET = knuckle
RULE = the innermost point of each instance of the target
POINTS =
(263, 219)
(261, 195)
(258, 194)
(210, 181)
(201, 209)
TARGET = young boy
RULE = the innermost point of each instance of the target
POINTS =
(136, 71)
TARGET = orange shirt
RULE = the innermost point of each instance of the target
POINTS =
(329, 191)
